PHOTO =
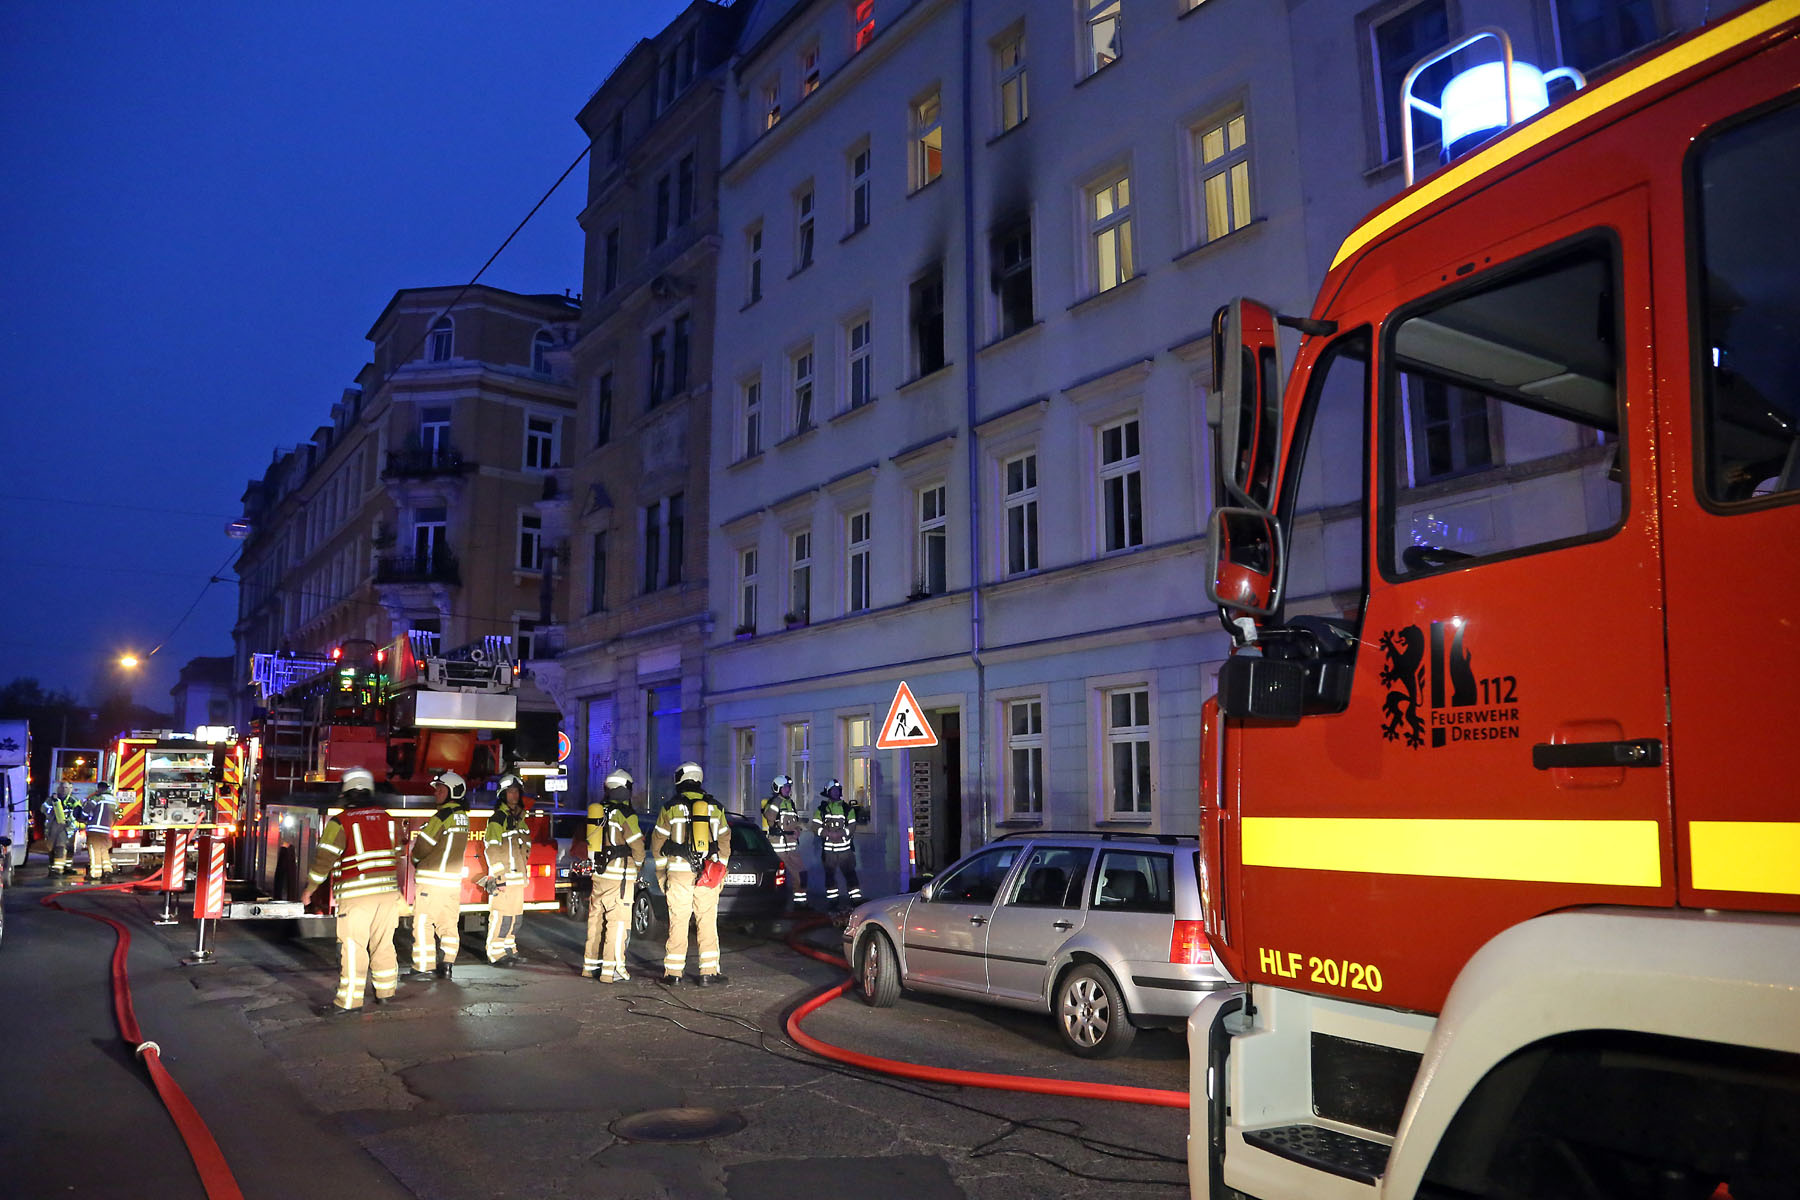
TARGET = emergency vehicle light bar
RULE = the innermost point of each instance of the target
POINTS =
(1480, 101)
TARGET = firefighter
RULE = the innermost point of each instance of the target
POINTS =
(101, 807)
(505, 861)
(59, 829)
(615, 852)
(437, 857)
(781, 820)
(360, 852)
(691, 832)
(833, 821)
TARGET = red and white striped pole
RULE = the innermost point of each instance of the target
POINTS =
(174, 873)
(209, 895)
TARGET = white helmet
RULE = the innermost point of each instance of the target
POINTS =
(358, 779)
(833, 786)
(782, 781)
(688, 772)
(510, 781)
(455, 784)
(618, 778)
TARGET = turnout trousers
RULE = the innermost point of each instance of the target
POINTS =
(62, 846)
(365, 936)
(795, 862)
(842, 865)
(506, 908)
(609, 926)
(99, 854)
(701, 906)
(437, 917)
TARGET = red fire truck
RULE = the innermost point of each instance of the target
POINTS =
(164, 780)
(406, 712)
(1496, 824)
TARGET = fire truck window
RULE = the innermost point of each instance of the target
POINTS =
(1325, 537)
(1750, 308)
(1500, 417)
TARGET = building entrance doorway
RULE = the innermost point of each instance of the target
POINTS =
(936, 794)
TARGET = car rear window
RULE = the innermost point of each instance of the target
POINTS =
(1134, 881)
(1054, 877)
(750, 839)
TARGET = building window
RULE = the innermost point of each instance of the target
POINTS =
(1109, 232)
(809, 70)
(862, 21)
(684, 190)
(541, 345)
(1009, 249)
(933, 545)
(927, 140)
(597, 576)
(443, 339)
(680, 354)
(540, 443)
(860, 360)
(1222, 152)
(858, 544)
(609, 266)
(662, 735)
(434, 431)
(531, 543)
(750, 419)
(803, 229)
(677, 539)
(926, 304)
(524, 639)
(664, 201)
(1127, 751)
(1595, 33)
(746, 598)
(686, 60)
(802, 409)
(800, 560)
(798, 739)
(1121, 487)
(664, 530)
(658, 377)
(771, 102)
(1104, 42)
(1021, 501)
(743, 770)
(603, 408)
(431, 546)
(753, 254)
(1450, 433)
(859, 189)
(1398, 43)
(858, 741)
(615, 137)
(1025, 758)
(1009, 72)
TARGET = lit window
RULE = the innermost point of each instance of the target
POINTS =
(863, 22)
(858, 544)
(1127, 723)
(1109, 232)
(859, 760)
(1025, 758)
(928, 140)
(809, 70)
(1009, 72)
(1222, 152)
(933, 544)
(1021, 501)
(1121, 487)
(1104, 34)
(771, 99)
(797, 738)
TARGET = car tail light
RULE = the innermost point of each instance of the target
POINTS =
(1188, 945)
(780, 874)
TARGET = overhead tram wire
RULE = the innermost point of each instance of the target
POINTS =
(216, 577)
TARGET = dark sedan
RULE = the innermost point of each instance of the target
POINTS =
(755, 887)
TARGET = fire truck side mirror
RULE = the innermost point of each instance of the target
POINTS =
(1245, 406)
(1245, 562)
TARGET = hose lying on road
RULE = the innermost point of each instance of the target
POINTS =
(209, 1160)
(980, 1079)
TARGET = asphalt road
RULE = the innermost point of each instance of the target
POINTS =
(507, 1083)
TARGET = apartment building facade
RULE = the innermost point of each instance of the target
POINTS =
(969, 256)
(416, 507)
(632, 507)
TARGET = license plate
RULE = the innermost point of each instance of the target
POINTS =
(741, 879)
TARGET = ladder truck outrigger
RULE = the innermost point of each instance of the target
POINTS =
(1498, 824)
(406, 712)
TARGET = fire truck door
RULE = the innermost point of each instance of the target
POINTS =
(1501, 751)
(1731, 514)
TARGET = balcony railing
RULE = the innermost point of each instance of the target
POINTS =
(439, 566)
(422, 463)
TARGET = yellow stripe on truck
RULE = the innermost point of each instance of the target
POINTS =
(1613, 853)
(1745, 856)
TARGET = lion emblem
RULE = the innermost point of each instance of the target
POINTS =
(1404, 675)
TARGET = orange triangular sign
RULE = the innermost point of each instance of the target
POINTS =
(906, 724)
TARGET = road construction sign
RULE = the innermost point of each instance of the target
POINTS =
(906, 725)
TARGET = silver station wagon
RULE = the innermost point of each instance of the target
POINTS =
(1101, 930)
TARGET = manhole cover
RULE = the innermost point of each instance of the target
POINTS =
(677, 1125)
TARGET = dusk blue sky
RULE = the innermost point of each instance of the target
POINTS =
(205, 206)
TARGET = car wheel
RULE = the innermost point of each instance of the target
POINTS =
(578, 906)
(1090, 1014)
(643, 915)
(878, 971)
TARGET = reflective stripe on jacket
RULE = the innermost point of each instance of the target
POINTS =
(358, 848)
(507, 843)
(439, 848)
(611, 827)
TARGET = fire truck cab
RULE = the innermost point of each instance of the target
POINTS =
(1498, 828)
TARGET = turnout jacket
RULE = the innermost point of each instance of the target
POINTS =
(833, 821)
(506, 845)
(439, 847)
(359, 849)
(782, 821)
(615, 841)
(691, 825)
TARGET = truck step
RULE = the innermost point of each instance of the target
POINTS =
(1324, 1149)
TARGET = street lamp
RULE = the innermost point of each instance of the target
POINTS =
(128, 661)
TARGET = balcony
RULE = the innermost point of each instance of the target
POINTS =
(423, 463)
(439, 566)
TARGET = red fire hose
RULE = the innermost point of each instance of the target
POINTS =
(209, 1160)
(981, 1079)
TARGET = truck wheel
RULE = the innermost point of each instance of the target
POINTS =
(1090, 1013)
(878, 971)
